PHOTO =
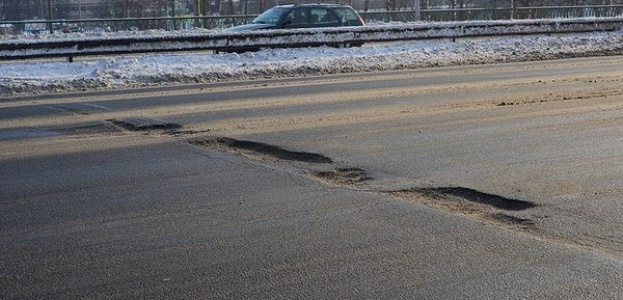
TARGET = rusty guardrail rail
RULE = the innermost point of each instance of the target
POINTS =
(339, 36)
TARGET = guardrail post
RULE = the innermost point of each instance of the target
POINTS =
(173, 14)
(418, 10)
(51, 13)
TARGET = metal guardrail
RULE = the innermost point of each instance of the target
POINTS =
(219, 22)
(338, 36)
(496, 13)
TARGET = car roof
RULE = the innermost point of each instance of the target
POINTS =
(314, 5)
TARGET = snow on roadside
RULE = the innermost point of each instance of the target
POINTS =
(36, 77)
(58, 35)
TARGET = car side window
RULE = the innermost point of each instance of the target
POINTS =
(298, 17)
(321, 15)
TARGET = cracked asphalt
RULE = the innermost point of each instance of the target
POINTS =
(477, 182)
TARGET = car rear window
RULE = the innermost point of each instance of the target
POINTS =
(350, 14)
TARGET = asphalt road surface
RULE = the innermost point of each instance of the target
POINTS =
(473, 182)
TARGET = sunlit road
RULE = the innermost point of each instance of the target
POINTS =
(483, 182)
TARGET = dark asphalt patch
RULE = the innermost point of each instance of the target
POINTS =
(26, 134)
(90, 128)
(472, 195)
(79, 108)
(144, 124)
(263, 150)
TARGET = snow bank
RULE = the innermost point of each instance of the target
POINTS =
(162, 69)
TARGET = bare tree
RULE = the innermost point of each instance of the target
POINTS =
(12, 10)
(6, 9)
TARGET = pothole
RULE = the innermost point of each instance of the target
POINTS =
(343, 175)
(479, 205)
(499, 202)
(510, 220)
(263, 150)
(186, 132)
(144, 124)
(489, 208)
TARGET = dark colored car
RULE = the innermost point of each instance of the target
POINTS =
(304, 16)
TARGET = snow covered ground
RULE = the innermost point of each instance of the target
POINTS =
(48, 76)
